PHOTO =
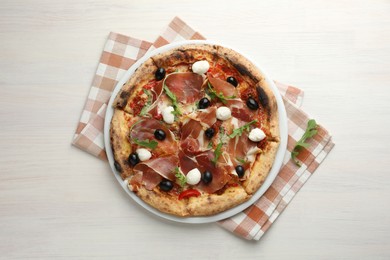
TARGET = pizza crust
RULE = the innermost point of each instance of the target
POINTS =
(211, 204)
(187, 54)
(260, 168)
(120, 145)
(141, 76)
(162, 201)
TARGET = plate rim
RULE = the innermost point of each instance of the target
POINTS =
(230, 212)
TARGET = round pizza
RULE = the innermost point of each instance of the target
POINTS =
(195, 130)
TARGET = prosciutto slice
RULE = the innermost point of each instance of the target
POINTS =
(207, 117)
(222, 86)
(153, 171)
(144, 129)
(186, 86)
(190, 159)
(240, 110)
(239, 147)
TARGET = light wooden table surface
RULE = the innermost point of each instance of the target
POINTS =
(57, 202)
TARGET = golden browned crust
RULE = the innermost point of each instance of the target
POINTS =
(260, 168)
(162, 201)
(211, 204)
(246, 68)
(267, 99)
(120, 145)
(186, 54)
(141, 77)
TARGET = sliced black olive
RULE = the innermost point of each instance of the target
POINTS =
(117, 166)
(160, 73)
(232, 81)
(207, 177)
(240, 171)
(204, 103)
(252, 103)
(209, 132)
(166, 185)
(159, 134)
(133, 159)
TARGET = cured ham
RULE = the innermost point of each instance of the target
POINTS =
(222, 86)
(240, 110)
(144, 130)
(203, 161)
(220, 173)
(241, 148)
(186, 86)
(153, 171)
(207, 117)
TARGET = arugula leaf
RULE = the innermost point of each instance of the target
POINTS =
(210, 145)
(181, 178)
(144, 110)
(217, 152)
(241, 160)
(173, 98)
(311, 131)
(213, 94)
(149, 144)
(241, 129)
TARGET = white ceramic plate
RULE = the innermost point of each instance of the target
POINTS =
(228, 213)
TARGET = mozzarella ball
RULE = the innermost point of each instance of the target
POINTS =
(193, 176)
(224, 113)
(168, 117)
(143, 154)
(256, 135)
(200, 67)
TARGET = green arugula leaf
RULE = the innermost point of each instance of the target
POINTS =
(241, 160)
(217, 152)
(213, 95)
(241, 129)
(210, 145)
(149, 144)
(144, 110)
(311, 130)
(180, 177)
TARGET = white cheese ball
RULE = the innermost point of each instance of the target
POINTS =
(193, 176)
(224, 113)
(256, 135)
(200, 67)
(168, 117)
(143, 154)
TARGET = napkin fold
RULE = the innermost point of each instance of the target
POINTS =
(121, 51)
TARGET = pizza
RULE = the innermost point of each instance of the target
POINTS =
(195, 130)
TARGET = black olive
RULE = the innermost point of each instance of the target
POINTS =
(252, 103)
(117, 166)
(209, 132)
(232, 81)
(240, 171)
(207, 177)
(204, 103)
(159, 134)
(160, 73)
(133, 159)
(166, 185)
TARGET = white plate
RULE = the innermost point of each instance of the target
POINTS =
(228, 213)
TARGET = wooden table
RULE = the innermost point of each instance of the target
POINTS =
(57, 202)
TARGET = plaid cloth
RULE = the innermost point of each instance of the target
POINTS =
(120, 52)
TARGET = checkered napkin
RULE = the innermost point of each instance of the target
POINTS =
(120, 52)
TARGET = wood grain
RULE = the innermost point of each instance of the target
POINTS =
(57, 202)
